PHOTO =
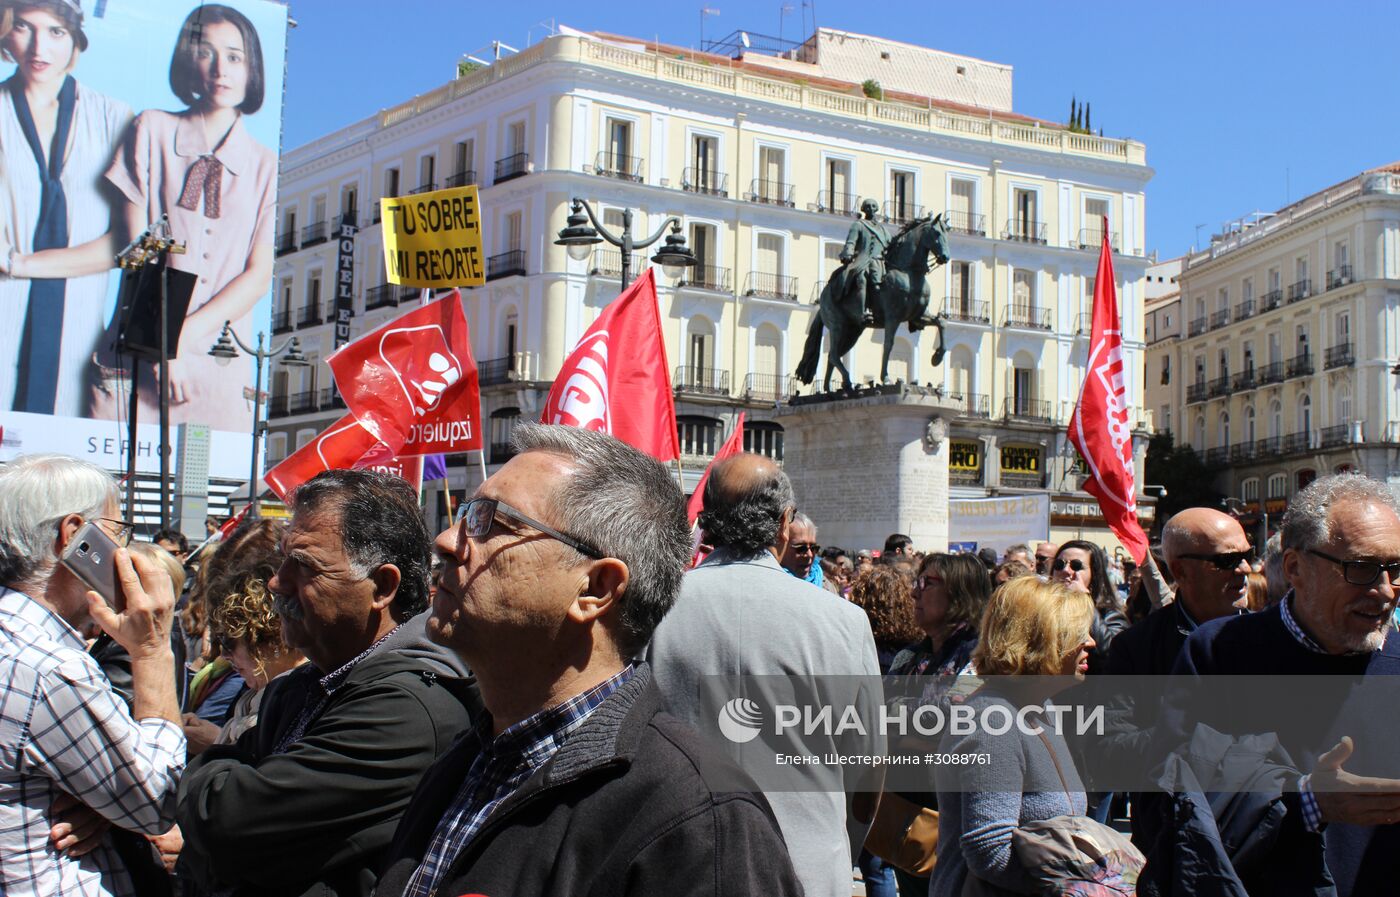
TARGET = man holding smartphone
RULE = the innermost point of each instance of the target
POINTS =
(73, 760)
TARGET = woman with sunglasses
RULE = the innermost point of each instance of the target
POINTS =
(1083, 567)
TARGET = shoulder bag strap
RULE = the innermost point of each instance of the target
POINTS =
(1054, 758)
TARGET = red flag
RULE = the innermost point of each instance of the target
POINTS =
(617, 381)
(732, 446)
(342, 445)
(231, 524)
(413, 381)
(1100, 428)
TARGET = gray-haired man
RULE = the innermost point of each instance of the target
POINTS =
(65, 737)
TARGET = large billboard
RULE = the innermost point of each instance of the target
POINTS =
(113, 114)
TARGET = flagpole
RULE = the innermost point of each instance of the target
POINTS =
(680, 474)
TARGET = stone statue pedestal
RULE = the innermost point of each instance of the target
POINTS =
(870, 464)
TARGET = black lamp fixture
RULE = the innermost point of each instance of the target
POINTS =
(582, 231)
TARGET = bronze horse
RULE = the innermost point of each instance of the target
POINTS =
(902, 298)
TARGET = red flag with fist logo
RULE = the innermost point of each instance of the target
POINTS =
(616, 380)
(1100, 428)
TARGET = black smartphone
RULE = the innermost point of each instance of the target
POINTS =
(91, 556)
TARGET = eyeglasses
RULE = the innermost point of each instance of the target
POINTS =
(1363, 573)
(928, 579)
(1225, 560)
(479, 515)
(120, 530)
(1076, 565)
(805, 547)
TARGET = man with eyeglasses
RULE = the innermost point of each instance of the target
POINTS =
(306, 802)
(74, 762)
(575, 782)
(801, 556)
(1341, 543)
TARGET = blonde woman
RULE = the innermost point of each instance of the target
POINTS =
(1033, 642)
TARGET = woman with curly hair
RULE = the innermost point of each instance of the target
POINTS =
(883, 593)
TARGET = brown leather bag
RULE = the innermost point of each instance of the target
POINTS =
(904, 834)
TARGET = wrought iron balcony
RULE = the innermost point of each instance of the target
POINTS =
(1219, 386)
(706, 277)
(495, 371)
(764, 285)
(1294, 443)
(1245, 379)
(705, 180)
(282, 321)
(426, 187)
(286, 243)
(303, 402)
(845, 204)
(505, 264)
(462, 178)
(1244, 309)
(966, 223)
(1026, 230)
(977, 405)
(769, 387)
(964, 308)
(309, 315)
(620, 166)
(1339, 276)
(513, 166)
(701, 381)
(1023, 408)
(1300, 290)
(278, 405)
(1218, 456)
(1030, 316)
(1083, 322)
(383, 296)
(1270, 300)
(1196, 392)
(331, 398)
(1300, 365)
(1197, 327)
(1219, 319)
(1271, 373)
(897, 212)
(1092, 238)
(608, 263)
(313, 234)
(1336, 435)
(1242, 453)
(1338, 356)
(1268, 446)
(773, 193)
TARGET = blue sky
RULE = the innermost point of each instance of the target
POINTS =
(1242, 105)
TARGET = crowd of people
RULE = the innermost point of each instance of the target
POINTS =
(342, 703)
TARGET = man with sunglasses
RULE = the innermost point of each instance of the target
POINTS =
(74, 762)
(574, 781)
(801, 556)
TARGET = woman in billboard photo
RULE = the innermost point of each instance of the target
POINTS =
(203, 169)
(57, 137)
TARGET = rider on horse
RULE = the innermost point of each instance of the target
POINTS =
(864, 259)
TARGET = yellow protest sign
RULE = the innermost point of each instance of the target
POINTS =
(434, 239)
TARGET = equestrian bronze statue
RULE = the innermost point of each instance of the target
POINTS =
(882, 282)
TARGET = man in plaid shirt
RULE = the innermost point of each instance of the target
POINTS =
(73, 760)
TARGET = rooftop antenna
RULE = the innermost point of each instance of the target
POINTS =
(705, 11)
(783, 12)
(548, 25)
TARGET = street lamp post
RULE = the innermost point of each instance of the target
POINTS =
(224, 352)
(579, 237)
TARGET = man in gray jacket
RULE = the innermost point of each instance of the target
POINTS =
(741, 614)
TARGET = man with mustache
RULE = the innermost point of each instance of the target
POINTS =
(306, 802)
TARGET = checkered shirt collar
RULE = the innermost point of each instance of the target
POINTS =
(30, 612)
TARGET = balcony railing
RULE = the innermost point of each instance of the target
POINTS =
(608, 263)
(1268, 446)
(966, 223)
(1083, 322)
(771, 286)
(773, 193)
(513, 166)
(331, 398)
(1242, 453)
(1031, 316)
(1092, 238)
(977, 405)
(278, 405)
(495, 371)
(1339, 276)
(701, 381)
(704, 180)
(382, 296)
(1026, 231)
(1219, 386)
(286, 243)
(897, 212)
(1338, 356)
(1022, 408)
(1300, 290)
(1218, 456)
(425, 187)
(1270, 301)
(1196, 392)
(837, 203)
(1219, 319)
(1334, 436)
(620, 166)
(505, 264)
(1271, 373)
(769, 387)
(1245, 379)
(706, 277)
(1196, 327)
(462, 179)
(303, 402)
(1300, 365)
(309, 315)
(963, 308)
(1295, 443)
(313, 234)
(1244, 309)
(282, 321)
